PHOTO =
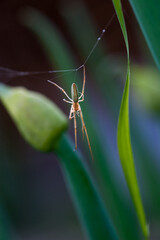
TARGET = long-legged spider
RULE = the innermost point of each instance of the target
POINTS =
(75, 107)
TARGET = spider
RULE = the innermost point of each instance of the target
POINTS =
(76, 108)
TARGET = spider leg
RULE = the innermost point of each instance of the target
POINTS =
(67, 101)
(85, 129)
(60, 89)
(75, 129)
(78, 114)
(81, 100)
(84, 81)
(71, 113)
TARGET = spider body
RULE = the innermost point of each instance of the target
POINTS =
(74, 94)
(75, 107)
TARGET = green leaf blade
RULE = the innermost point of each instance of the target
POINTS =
(89, 205)
(126, 157)
(147, 14)
(123, 135)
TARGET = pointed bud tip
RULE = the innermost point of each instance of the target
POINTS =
(39, 120)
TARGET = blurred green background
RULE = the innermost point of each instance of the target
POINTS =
(45, 35)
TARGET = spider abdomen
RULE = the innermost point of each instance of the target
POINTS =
(74, 92)
(76, 106)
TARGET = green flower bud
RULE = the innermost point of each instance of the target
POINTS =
(40, 121)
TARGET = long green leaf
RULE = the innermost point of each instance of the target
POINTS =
(90, 208)
(123, 134)
(147, 14)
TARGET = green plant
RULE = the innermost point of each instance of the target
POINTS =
(27, 108)
(123, 135)
(19, 103)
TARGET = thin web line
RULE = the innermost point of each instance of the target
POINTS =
(14, 73)
(99, 38)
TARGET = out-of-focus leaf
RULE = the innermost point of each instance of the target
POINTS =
(39, 120)
(88, 203)
(49, 37)
(123, 134)
(146, 85)
(147, 14)
(5, 228)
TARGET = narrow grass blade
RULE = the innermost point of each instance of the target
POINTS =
(147, 14)
(123, 134)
